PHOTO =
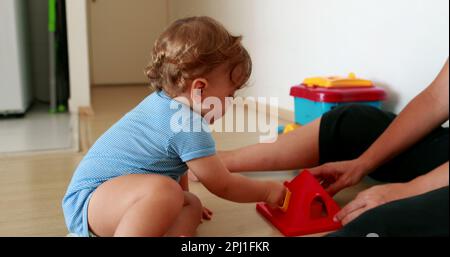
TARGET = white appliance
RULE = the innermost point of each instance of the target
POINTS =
(15, 92)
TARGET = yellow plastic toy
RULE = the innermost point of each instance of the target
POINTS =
(290, 128)
(338, 82)
(287, 200)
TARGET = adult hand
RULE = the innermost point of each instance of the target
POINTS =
(372, 198)
(337, 176)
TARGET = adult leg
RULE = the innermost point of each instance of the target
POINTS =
(135, 205)
(347, 132)
(295, 150)
(424, 215)
(342, 134)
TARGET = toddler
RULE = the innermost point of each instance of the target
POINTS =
(133, 180)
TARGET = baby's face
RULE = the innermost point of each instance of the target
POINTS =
(217, 97)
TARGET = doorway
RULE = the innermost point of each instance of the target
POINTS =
(34, 93)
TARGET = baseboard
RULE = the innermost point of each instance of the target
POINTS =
(86, 111)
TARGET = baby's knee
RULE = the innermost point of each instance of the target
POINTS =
(192, 200)
(165, 189)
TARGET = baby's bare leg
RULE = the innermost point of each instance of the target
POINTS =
(135, 205)
(189, 219)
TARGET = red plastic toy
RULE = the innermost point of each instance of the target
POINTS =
(308, 209)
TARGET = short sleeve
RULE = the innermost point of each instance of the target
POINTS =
(191, 145)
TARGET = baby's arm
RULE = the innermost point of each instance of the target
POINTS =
(213, 174)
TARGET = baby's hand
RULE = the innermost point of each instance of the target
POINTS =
(276, 195)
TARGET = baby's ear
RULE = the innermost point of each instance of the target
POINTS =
(198, 86)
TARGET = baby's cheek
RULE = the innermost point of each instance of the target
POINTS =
(219, 111)
(214, 112)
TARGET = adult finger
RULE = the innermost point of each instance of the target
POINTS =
(354, 215)
(318, 172)
(353, 206)
(336, 187)
(326, 184)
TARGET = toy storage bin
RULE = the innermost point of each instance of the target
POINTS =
(314, 100)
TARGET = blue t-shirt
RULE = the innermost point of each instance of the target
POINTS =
(158, 137)
(143, 142)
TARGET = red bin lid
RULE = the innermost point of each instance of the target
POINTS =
(338, 95)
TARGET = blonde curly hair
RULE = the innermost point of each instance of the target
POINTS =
(193, 47)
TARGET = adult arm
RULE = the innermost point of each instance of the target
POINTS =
(427, 111)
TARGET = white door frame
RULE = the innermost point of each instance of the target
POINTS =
(78, 41)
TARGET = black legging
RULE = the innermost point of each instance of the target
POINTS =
(347, 132)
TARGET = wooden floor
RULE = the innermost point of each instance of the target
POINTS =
(32, 187)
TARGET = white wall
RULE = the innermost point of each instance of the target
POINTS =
(399, 44)
(78, 54)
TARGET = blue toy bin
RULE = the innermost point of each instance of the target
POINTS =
(313, 102)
